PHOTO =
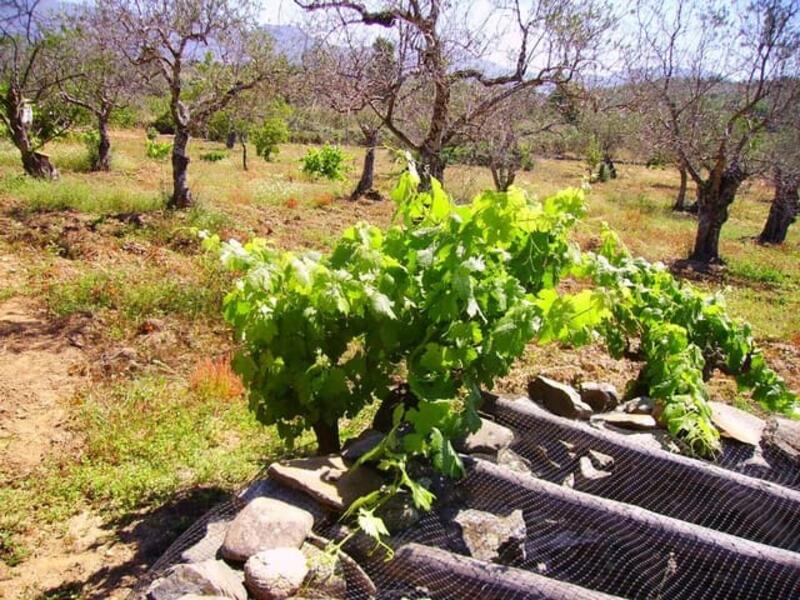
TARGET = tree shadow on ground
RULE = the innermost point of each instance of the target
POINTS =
(151, 533)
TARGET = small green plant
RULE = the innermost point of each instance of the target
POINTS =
(91, 140)
(594, 154)
(329, 162)
(214, 156)
(266, 138)
(155, 149)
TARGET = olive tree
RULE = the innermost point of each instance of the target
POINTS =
(783, 159)
(206, 53)
(437, 50)
(716, 77)
(27, 81)
(95, 74)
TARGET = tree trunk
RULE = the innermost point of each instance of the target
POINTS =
(327, 437)
(784, 209)
(244, 152)
(503, 176)
(230, 141)
(368, 173)
(680, 201)
(103, 162)
(715, 196)
(181, 196)
(432, 167)
(35, 163)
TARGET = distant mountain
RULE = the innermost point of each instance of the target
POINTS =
(291, 41)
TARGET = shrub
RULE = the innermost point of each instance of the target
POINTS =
(91, 140)
(272, 132)
(214, 156)
(155, 149)
(328, 162)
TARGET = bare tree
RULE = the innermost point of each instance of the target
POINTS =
(505, 139)
(716, 76)
(95, 74)
(349, 79)
(207, 52)
(26, 80)
(438, 49)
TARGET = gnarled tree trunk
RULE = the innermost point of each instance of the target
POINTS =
(715, 195)
(431, 167)
(371, 136)
(181, 196)
(784, 209)
(503, 176)
(35, 163)
(103, 162)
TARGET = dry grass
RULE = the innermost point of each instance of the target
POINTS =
(161, 417)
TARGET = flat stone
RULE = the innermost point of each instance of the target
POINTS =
(737, 424)
(263, 524)
(207, 578)
(357, 447)
(510, 459)
(588, 471)
(488, 536)
(269, 488)
(628, 420)
(600, 396)
(558, 398)
(326, 576)
(327, 479)
(275, 574)
(489, 439)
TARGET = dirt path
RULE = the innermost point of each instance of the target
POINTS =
(41, 369)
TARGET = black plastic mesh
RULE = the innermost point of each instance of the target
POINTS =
(660, 526)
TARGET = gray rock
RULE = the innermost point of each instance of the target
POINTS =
(207, 578)
(327, 479)
(398, 513)
(275, 574)
(510, 459)
(558, 398)
(489, 439)
(489, 537)
(357, 447)
(268, 488)
(628, 420)
(263, 524)
(588, 471)
(782, 436)
(199, 597)
(737, 424)
(600, 396)
(600, 460)
(209, 545)
(641, 405)
(326, 576)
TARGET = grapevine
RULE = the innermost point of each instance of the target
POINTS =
(449, 296)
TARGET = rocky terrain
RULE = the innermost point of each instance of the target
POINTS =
(568, 494)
